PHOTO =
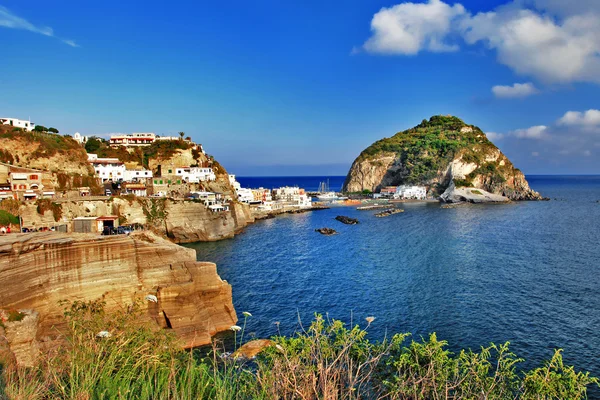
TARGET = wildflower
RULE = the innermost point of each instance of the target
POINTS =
(152, 298)
(247, 314)
(236, 328)
(103, 334)
(370, 319)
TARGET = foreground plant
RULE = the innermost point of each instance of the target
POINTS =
(115, 356)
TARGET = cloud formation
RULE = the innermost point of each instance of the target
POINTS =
(587, 119)
(11, 21)
(516, 90)
(535, 132)
(408, 28)
(549, 40)
(569, 144)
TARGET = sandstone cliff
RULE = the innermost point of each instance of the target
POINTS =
(436, 153)
(38, 271)
(183, 221)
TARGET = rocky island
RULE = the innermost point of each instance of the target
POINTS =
(445, 155)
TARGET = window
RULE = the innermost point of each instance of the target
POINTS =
(156, 181)
(33, 177)
(169, 181)
(178, 182)
(137, 173)
(170, 171)
(161, 181)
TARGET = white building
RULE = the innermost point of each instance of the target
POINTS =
(136, 175)
(108, 169)
(245, 195)
(293, 195)
(236, 185)
(195, 174)
(18, 123)
(79, 138)
(133, 140)
(411, 192)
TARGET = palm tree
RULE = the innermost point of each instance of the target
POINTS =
(181, 135)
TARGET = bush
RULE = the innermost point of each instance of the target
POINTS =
(7, 218)
(44, 205)
(132, 360)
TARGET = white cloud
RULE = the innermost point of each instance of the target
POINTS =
(535, 154)
(10, 20)
(538, 45)
(549, 40)
(589, 118)
(587, 153)
(493, 136)
(535, 132)
(516, 90)
(408, 28)
(71, 43)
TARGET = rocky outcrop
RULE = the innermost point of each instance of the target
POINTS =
(183, 221)
(436, 153)
(39, 271)
(470, 195)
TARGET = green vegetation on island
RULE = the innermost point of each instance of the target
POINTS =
(424, 154)
(431, 146)
(116, 356)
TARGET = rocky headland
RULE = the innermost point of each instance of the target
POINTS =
(40, 272)
(440, 153)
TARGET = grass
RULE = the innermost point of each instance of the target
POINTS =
(325, 361)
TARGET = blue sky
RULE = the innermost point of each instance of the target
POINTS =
(293, 88)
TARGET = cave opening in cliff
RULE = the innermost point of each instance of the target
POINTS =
(167, 321)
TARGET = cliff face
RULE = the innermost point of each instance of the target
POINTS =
(183, 221)
(436, 153)
(37, 271)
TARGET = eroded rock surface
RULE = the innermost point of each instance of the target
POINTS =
(37, 271)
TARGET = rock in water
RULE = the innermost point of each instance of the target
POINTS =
(346, 220)
(434, 154)
(326, 231)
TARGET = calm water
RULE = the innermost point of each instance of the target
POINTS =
(310, 183)
(527, 273)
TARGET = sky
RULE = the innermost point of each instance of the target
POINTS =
(302, 87)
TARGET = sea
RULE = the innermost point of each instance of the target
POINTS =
(527, 273)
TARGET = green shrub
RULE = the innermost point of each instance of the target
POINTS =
(133, 360)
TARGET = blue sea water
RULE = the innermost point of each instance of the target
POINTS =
(524, 272)
(309, 183)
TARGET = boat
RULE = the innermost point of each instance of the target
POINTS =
(327, 195)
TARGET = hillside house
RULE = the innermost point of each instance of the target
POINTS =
(137, 175)
(133, 140)
(18, 123)
(107, 169)
(411, 192)
(195, 174)
(25, 183)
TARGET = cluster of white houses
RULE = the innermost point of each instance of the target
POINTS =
(286, 197)
(406, 192)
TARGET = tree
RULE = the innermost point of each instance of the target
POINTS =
(181, 135)
(93, 144)
(53, 130)
(40, 128)
(188, 138)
